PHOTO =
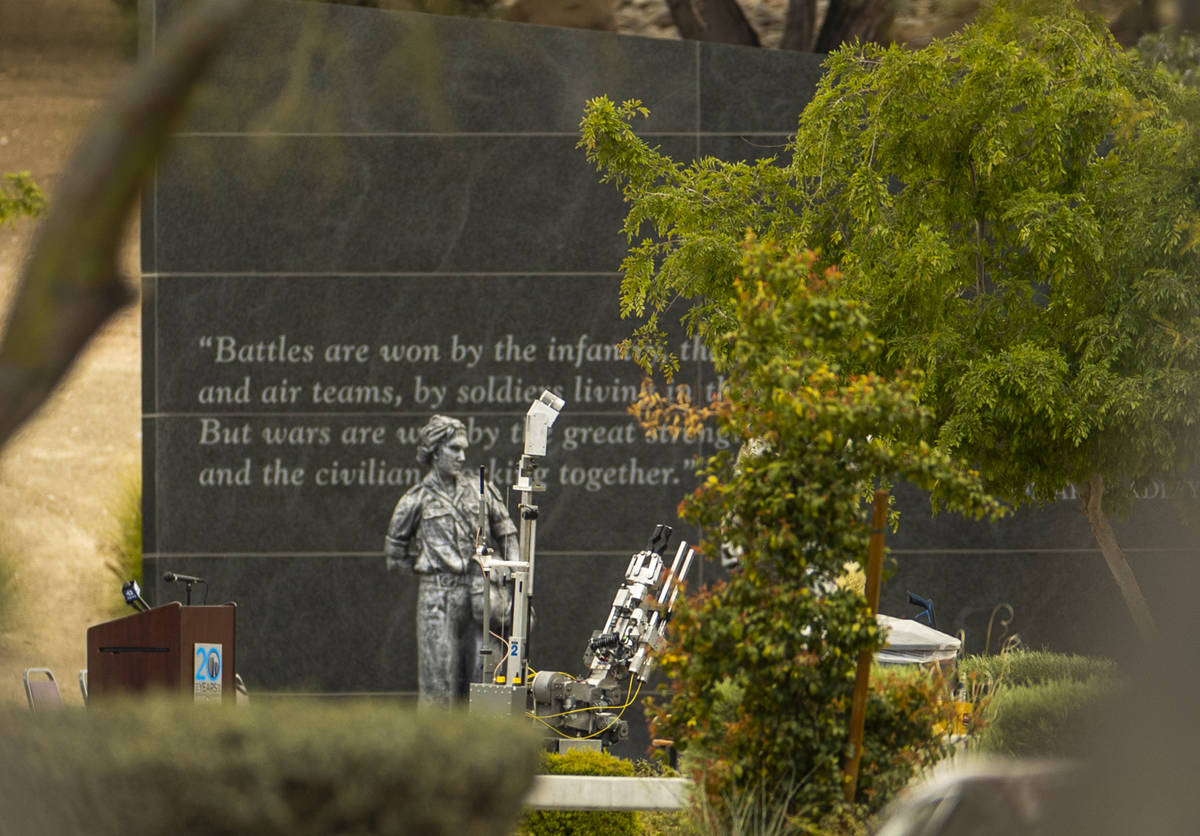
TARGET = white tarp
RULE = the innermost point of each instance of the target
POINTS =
(912, 643)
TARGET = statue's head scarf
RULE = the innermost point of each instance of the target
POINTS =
(439, 428)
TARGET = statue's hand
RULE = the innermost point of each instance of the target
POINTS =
(397, 565)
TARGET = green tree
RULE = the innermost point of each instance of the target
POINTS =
(1015, 205)
(762, 667)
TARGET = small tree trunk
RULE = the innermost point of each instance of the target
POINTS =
(721, 21)
(1138, 18)
(800, 26)
(1091, 496)
(847, 20)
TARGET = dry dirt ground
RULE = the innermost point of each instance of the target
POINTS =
(61, 477)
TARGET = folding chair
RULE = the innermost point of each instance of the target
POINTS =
(42, 693)
(83, 684)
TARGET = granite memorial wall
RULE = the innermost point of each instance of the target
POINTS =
(368, 217)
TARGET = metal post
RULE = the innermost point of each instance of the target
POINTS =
(481, 555)
(538, 420)
(858, 707)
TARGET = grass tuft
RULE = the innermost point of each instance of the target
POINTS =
(124, 545)
(8, 591)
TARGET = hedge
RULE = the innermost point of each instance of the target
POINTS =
(167, 766)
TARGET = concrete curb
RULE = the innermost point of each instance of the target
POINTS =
(602, 792)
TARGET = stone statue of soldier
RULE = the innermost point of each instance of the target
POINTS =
(432, 534)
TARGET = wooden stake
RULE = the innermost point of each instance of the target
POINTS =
(858, 707)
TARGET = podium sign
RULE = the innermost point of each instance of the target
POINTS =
(208, 671)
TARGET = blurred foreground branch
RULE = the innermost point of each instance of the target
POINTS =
(71, 284)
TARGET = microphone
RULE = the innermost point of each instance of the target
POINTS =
(133, 596)
(173, 577)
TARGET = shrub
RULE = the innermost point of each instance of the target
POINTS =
(158, 767)
(908, 712)
(19, 195)
(582, 822)
(1045, 719)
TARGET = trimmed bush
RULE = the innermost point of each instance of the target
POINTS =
(582, 822)
(158, 767)
(1046, 719)
(1027, 667)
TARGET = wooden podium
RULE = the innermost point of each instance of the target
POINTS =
(170, 649)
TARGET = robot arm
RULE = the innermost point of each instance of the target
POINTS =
(640, 612)
(636, 623)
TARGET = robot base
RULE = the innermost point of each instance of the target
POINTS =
(511, 701)
(498, 700)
